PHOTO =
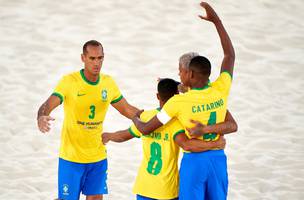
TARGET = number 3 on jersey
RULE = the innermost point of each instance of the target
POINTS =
(155, 163)
(92, 112)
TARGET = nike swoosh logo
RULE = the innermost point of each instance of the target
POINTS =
(79, 95)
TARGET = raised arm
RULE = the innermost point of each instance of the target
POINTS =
(125, 108)
(45, 109)
(196, 145)
(118, 136)
(228, 126)
(229, 55)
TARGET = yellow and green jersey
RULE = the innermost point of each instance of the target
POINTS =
(158, 173)
(85, 107)
(207, 105)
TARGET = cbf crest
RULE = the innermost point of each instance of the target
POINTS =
(65, 189)
(104, 95)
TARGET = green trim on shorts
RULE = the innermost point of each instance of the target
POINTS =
(58, 95)
(86, 80)
(158, 109)
(132, 133)
(116, 100)
(177, 133)
(225, 71)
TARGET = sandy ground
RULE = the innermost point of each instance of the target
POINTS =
(42, 40)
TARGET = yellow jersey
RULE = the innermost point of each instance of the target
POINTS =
(158, 173)
(85, 107)
(207, 105)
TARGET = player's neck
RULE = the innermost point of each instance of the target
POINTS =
(161, 104)
(199, 84)
(90, 77)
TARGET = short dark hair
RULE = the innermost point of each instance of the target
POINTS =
(200, 64)
(167, 88)
(91, 43)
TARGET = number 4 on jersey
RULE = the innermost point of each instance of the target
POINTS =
(211, 121)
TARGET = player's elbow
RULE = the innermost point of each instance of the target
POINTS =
(234, 127)
(145, 128)
(186, 146)
(145, 131)
(142, 128)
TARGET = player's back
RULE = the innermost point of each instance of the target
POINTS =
(158, 173)
(207, 105)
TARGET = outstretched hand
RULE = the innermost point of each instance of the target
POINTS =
(44, 124)
(210, 13)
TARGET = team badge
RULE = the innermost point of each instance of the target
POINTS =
(65, 189)
(104, 95)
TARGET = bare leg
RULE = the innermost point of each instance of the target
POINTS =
(94, 197)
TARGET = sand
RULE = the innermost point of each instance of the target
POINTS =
(42, 40)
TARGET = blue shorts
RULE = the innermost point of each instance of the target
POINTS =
(139, 197)
(88, 178)
(203, 176)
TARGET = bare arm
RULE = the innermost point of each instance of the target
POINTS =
(196, 145)
(148, 127)
(228, 126)
(45, 109)
(125, 108)
(229, 54)
(118, 136)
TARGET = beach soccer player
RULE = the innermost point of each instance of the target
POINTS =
(86, 95)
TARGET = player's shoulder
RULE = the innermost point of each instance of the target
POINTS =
(71, 77)
(224, 77)
(178, 97)
(106, 76)
(146, 115)
(222, 83)
(226, 74)
(107, 80)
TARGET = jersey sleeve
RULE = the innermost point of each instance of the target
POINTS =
(116, 94)
(61, 89)
(134, 131)
(223, 83)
